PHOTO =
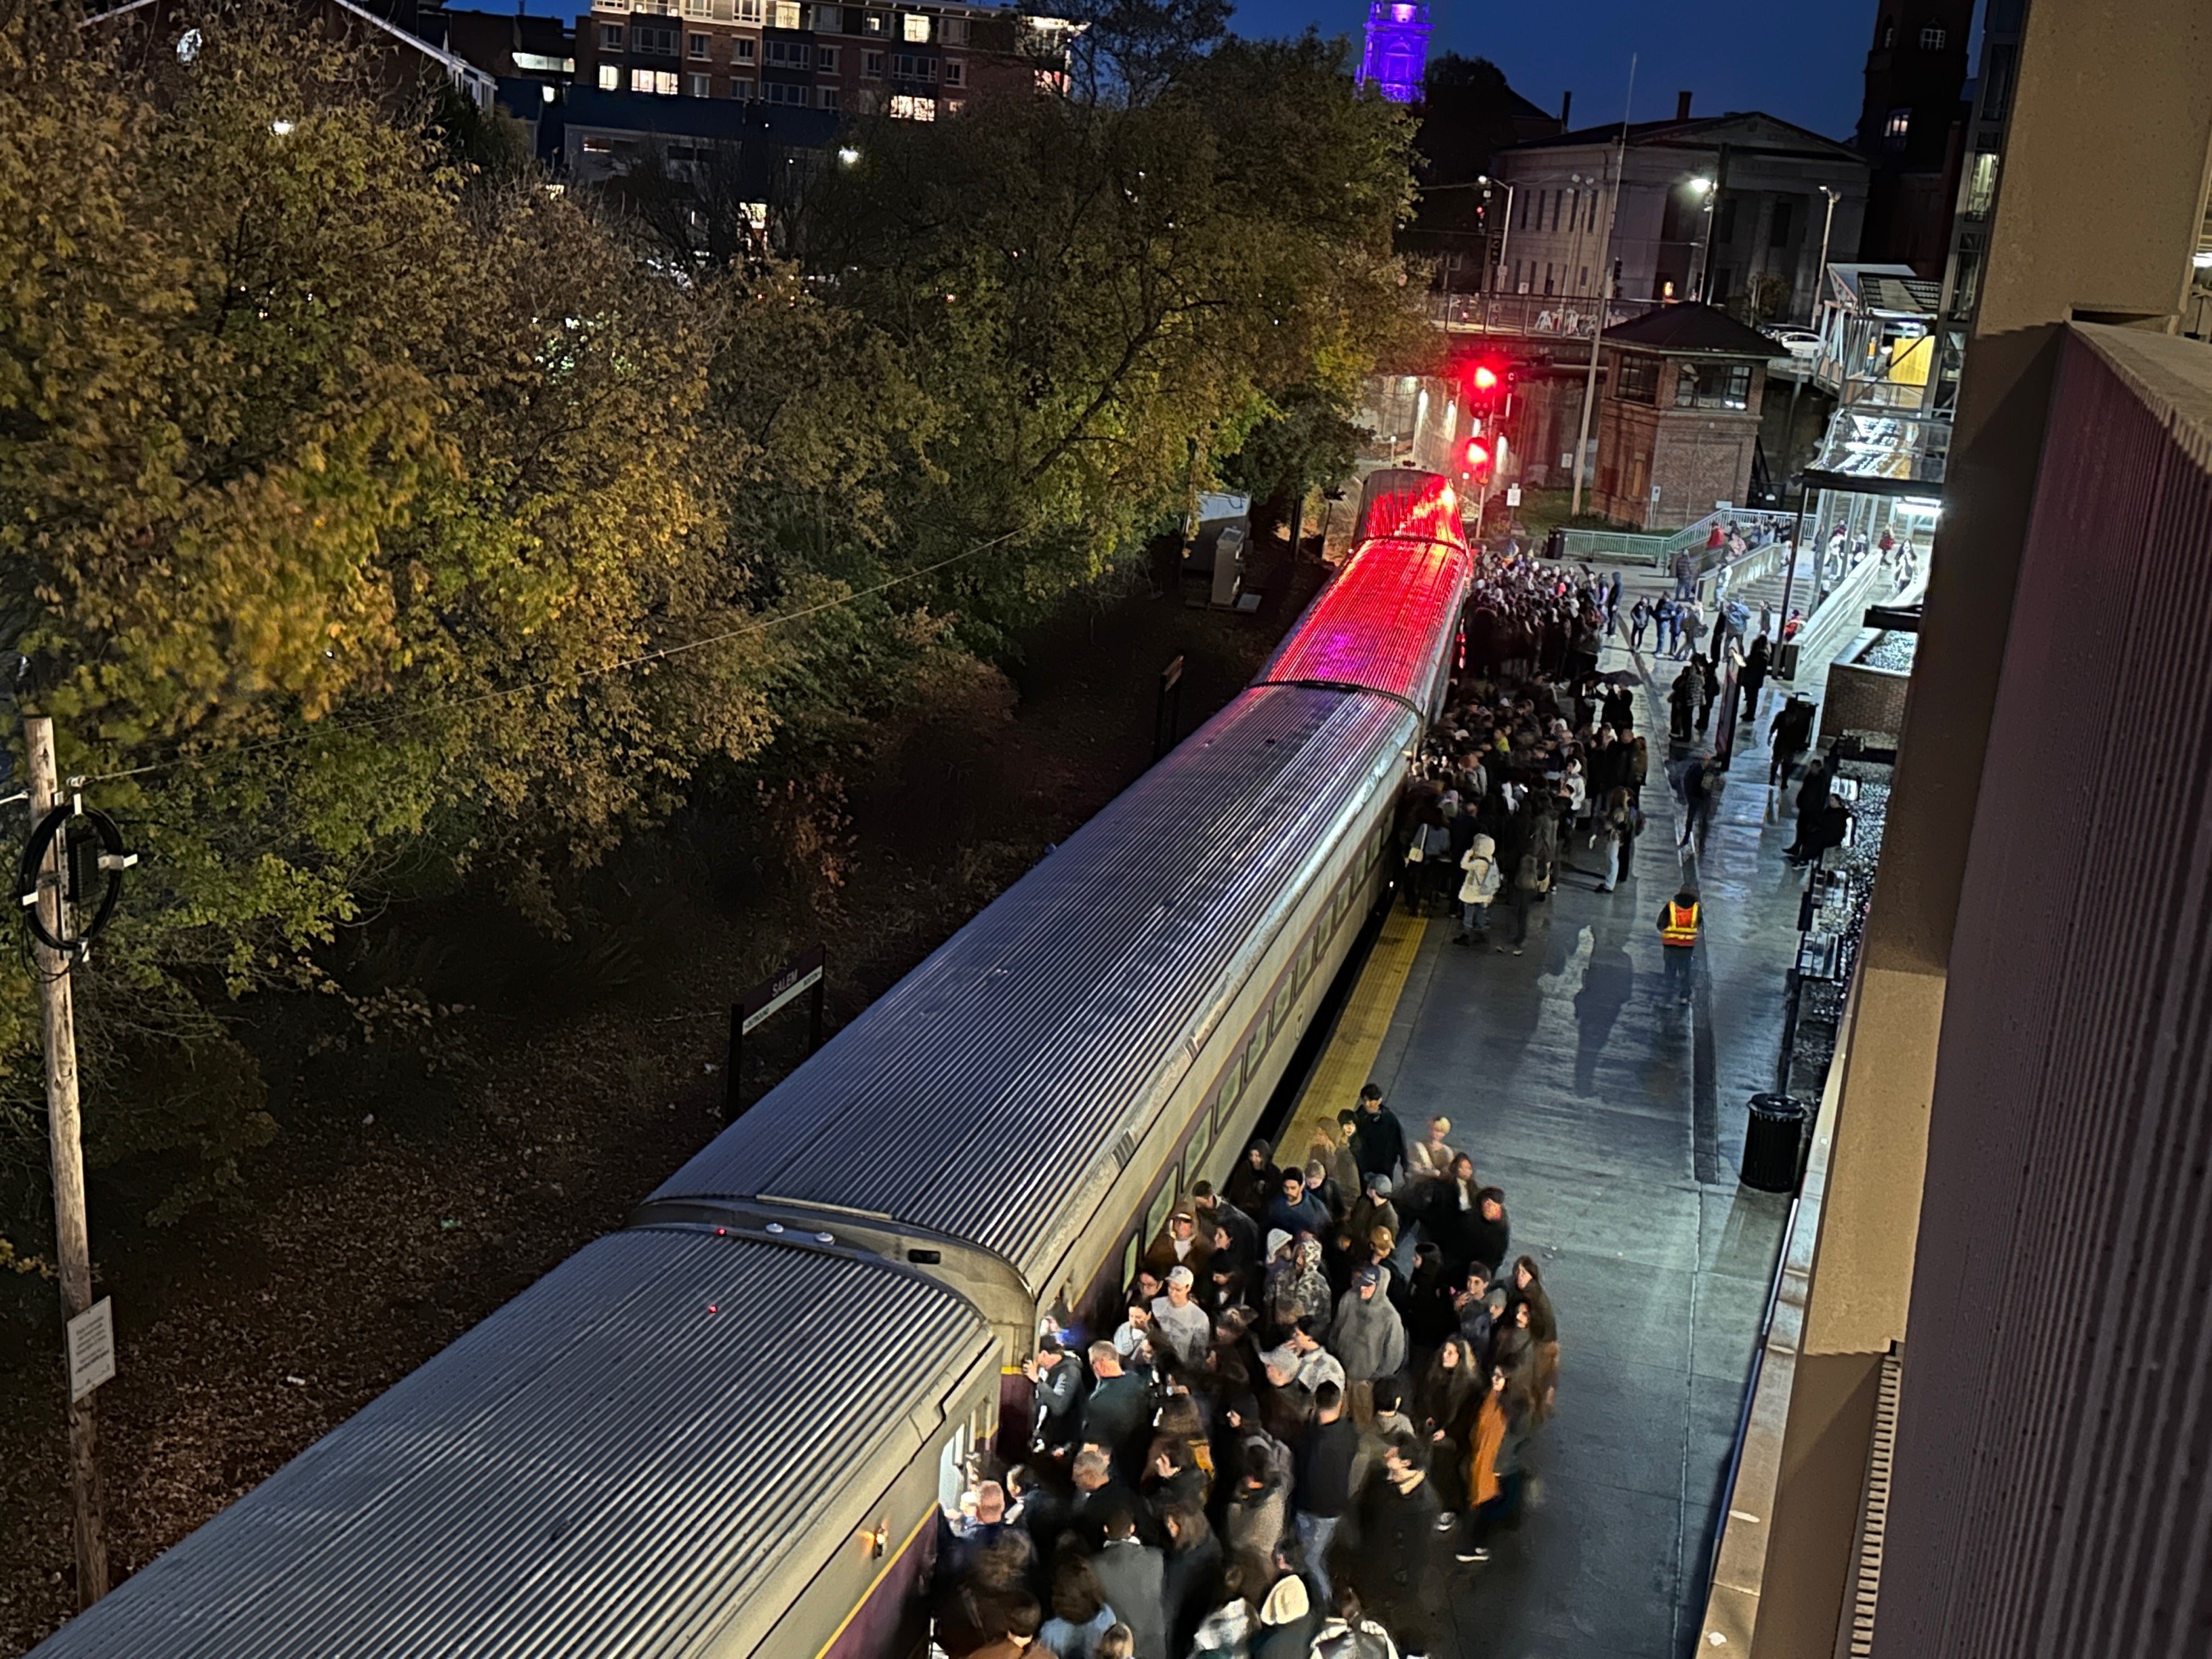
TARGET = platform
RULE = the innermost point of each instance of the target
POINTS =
(1614, 1119)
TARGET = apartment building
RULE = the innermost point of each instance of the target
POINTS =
(914, 62)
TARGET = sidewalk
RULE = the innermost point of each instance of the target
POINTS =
(1613, 1119)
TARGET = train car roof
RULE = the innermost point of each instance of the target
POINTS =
(1003, 1079)
(620, 1460)
(1386, 621)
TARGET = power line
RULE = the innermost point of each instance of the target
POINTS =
(660, 653)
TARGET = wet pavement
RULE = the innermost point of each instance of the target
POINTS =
(1613, 1119)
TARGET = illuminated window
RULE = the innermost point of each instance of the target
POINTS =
(598, 145)
(907, 108)
(610, 77)
(914, 25)
(875, 22)
(1982, 189)
(660, 82)
(1401, 14)
(1933, 38)
(952, 106)
(1897, 127)
(786, 15)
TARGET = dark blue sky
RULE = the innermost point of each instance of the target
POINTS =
(1800, 59)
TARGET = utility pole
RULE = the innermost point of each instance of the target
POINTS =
(66, 1151)
(1605, 263)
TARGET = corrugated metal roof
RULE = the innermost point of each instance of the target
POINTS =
(977, 1094)
(602, 1467)
(1384, 623)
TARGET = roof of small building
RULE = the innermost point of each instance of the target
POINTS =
(1742, 127)
(1692, 330)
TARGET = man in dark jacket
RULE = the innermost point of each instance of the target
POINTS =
(1381, 1147)
(1117, 1417)
(1297, 1211)
(1488, 1234)
(1791, 730)
(1812, 811)
(1400, 1573)
(1323, 1489)
(1131, 1573)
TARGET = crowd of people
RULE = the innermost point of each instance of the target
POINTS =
(1287, 1439)
(1311, 1406)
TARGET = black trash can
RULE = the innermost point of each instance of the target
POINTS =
(1774, 1142)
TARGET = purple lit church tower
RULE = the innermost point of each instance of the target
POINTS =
(1397, 50)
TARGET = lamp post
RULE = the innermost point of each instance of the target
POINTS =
(1506, 240)
(1703, 187)
(1820, 270)
(1605, 260)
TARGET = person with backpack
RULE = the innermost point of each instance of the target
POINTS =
(1680, 919)
(1349, 1633)
(1479, 886)
(1527, 883)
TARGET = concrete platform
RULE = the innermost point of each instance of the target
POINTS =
(1613, 1119)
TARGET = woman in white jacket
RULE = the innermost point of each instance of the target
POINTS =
(1478, 886)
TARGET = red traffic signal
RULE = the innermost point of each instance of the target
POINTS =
(1477, 456)
(1486, 378)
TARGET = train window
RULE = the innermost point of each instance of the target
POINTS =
(1129, 1263)
(1194, 1158)
(952, 1469)
(1163, 1202)
(1232, 1085)
(1281, 1017)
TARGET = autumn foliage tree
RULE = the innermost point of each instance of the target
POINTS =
(370, 520)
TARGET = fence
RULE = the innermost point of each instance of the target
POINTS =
(1659, 550)
(1548, 316)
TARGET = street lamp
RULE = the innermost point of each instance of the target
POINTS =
(1702, 187)
(1820, 270)
(1505, 241)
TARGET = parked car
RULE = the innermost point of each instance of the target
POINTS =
(1797, 342)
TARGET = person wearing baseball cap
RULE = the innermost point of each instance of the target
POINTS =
(1182, 1323)
(1367, 1336)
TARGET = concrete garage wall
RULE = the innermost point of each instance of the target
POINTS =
(2051, 1493)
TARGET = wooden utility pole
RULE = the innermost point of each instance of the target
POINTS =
(65, 1151)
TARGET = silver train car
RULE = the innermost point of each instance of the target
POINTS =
(725, 1431)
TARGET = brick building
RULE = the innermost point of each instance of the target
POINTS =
(1677, 421)
(914, 61)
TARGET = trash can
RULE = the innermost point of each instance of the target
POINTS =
(1774, 1142)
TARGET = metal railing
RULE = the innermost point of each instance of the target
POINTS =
(1659, 548)
(1545, 316)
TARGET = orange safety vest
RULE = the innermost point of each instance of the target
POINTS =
(1681, 927)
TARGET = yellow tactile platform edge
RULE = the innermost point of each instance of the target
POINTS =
(1348, 1063)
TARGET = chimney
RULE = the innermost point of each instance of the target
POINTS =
(1566, 103)
(1681, 107)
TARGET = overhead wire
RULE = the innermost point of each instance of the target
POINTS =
(659, 653)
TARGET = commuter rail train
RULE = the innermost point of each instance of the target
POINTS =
(725, 1430)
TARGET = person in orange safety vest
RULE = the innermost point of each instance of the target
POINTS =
(1679, 919)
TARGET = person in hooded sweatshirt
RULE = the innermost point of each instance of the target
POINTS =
(1253, 1184)
(1367, 1336)
(1479, 884)
(1252, 1525)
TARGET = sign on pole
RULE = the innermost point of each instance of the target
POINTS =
(92, 1347)
(801, 975)
(1513, 495)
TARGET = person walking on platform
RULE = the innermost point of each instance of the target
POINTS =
(1683, 700)
(1792, 729)
(1812, 812)
(1478, 887)
(1680, 919)
(1639, 618)
(1753, 677)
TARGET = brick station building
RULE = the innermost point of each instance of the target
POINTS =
(1678, 422)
